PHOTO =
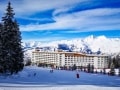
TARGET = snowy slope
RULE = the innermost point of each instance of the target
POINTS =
(94, 44)
(59, 79)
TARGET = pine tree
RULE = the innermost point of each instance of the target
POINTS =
(118, 60)
(92, 69)
(74, 67)
(1, 59)
(12, 53)
(112, 67)
(88, 68)
(119, 71)
(104, 72)
(2, 51)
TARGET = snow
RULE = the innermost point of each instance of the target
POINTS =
(36, 78)
(102, 43)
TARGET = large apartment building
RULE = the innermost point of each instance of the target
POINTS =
(67, 59)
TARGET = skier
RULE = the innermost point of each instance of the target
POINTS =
(34, 74)
(51, 71)
(77, 75)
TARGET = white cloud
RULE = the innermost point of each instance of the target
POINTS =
(29, 7)
(24, 8)
(93, 19)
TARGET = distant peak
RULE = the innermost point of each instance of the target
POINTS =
(102, 37)
(91, 36)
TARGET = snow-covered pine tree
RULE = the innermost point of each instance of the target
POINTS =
(11, 43)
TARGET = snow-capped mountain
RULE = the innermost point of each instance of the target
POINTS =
(89, 44)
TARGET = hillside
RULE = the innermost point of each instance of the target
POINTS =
(36, 78)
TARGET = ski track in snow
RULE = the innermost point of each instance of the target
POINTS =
(59, 79)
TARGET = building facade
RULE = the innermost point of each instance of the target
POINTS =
(61, 59)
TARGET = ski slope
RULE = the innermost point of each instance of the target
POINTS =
(36, 78)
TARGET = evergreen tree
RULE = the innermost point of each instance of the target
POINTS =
(104, 72)
(88, 68)
(109, 61)
(1, 58)
(74, 67)
(2, 51)
(92, 69)
(119, 71)
(12, 53)
(112, 67)
(118, 60)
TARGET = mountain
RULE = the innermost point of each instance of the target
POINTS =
(90, 44)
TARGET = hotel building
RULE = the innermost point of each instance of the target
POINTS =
(67, 59)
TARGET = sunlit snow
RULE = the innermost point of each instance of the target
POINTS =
(36, 78)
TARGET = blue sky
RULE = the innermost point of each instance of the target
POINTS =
(49, 20)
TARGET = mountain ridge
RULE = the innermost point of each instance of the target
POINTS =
(90, 43)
